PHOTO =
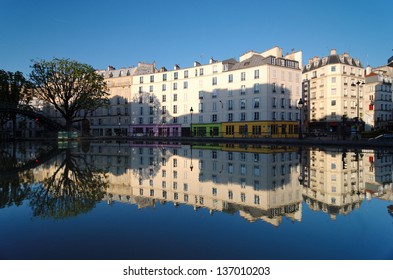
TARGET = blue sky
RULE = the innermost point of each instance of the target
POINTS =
(122, 33)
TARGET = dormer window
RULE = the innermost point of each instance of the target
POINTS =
(341, 57)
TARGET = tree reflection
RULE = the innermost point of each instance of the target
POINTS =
(14, 186)
(74, 188)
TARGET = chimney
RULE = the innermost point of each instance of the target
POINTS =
(368, 70)
(196, 63)
(177, 67)
(110, 68)
(333, 52)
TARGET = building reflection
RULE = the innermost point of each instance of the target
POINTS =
(339, 180)
(258, 183)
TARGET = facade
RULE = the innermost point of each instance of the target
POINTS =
(256, 95)
(378, 91)
(335, 92)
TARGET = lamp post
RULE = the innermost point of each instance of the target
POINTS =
(357, 84)
(119, 130)
(191, 111)
(300, 105)
(191, 166)
(221, 117)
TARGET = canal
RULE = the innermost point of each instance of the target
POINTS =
(146, 200)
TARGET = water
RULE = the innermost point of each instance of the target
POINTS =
(175, 201)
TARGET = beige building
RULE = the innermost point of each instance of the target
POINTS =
(378, 97)
(257, 95)
(335, 91)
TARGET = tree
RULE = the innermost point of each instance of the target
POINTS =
(70, 86)
(14, 89)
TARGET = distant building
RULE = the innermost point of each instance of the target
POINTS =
(378, 109)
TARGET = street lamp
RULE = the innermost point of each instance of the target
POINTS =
(191, 111)
(300, 105)
(357, 84)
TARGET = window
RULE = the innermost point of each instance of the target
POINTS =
(214, 118)
(243, 76)
(333, 69)
(230, 104)
(164, 98)
(230, 117)
(333, 80)
(230, 78)
(175, 97)
(333, 91)
(201, 72)
(282, 88)
(175, 109)
(256, 102)
(256, 116)
(274, 102)
(164, 87)
(174, 86)
(185, 84)
(164, 77)
(274, 87)
(141, 80)
(333, 103)
(215, 92)
(175, 76)
(256, 88)
(242, 104)
(163, 110)
(200, 107)
(242, 116)
(243, 90)
(256, 74)
(151, 79)
(214, 81)
(186, 74)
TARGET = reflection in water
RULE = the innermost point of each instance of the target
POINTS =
(336, 182)
(257, 182)
(74, 187)
(61, 183)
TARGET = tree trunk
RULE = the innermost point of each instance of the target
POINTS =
(68, 125)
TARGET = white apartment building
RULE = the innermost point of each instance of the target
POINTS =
(335, 94)
(256, 95)
(378, 91)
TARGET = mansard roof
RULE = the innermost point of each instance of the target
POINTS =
(332, 59)
(253, 61)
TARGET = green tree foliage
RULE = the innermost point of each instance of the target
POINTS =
(70, 86)
(14, 89)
